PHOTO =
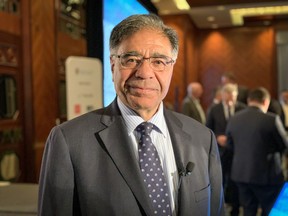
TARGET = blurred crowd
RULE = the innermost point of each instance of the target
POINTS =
(251, 129)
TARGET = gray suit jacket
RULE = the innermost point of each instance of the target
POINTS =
(89, 168)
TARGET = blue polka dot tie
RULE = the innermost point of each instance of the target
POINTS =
(152, 171)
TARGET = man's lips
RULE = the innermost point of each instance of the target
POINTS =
(140, 89)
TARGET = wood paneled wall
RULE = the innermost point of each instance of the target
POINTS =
(185, 67)
(44, 73)
(50, 48)
(248, 52)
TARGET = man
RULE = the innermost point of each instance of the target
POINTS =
(243, 91)
(191, 104)
(217, 119)
(220, 113)
(90, 164)
(257, 140)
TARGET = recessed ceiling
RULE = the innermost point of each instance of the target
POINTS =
(207, 14)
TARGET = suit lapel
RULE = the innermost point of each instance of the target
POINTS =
(122, 154)
(180, 141)
(119, 148)
(178, 137)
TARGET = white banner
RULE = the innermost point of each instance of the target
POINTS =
(83, 85)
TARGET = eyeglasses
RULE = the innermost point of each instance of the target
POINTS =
(130, 61)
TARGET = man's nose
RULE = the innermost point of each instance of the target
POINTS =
(144, 70)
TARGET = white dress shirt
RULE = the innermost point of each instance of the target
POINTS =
(161, 139)
(226, 111)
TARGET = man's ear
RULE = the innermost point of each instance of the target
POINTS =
(267, 102)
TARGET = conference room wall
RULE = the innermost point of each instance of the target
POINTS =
(204, 54)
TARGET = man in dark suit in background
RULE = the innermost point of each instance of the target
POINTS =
(191, 105)
(257, 140)
(217, 119)
(91, 164)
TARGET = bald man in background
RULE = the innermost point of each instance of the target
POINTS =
(191, 104)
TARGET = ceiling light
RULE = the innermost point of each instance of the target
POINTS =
(182, 4)
(238, 14)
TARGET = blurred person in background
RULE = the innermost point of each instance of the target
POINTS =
(257, 140)
(217, 120)
(191, 105)
(243, 91)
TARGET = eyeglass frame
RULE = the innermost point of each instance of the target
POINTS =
(171, 60)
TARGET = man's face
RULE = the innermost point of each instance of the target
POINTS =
(142, 88)
(198, 92)
(229, 98)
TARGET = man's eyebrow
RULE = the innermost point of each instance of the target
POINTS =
(135, 53)
(131, 53)
(159, 55)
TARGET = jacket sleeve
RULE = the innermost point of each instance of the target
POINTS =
(185, 109)
(56, 186)
(210, 119)
(283, 141)
(217, 196)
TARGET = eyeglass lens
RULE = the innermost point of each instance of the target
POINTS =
(133, 61)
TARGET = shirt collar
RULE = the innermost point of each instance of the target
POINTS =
(132, 119)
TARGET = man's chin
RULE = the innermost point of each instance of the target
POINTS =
(141, 102)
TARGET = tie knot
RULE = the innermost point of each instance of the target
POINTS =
(145, 128)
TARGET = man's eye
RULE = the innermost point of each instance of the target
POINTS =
(132, 60)
(158, 61)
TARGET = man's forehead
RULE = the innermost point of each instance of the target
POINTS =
(142, 41)
(152, 53)
(230, 92)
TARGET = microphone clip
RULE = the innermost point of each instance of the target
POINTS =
(188, 170)
(184, 173)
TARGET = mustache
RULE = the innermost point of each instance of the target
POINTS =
(143, 84)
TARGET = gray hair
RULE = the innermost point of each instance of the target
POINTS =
(135, 23)
(230, 88)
